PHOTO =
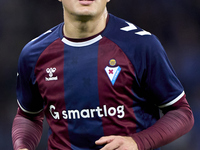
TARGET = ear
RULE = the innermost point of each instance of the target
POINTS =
(60, 0)
(108, 0)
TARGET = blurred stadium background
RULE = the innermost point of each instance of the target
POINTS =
(175, 22)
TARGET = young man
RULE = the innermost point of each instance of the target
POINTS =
(100, 82)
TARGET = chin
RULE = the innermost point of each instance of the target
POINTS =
(86, 13)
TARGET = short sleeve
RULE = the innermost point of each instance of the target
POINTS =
(28, 95)
(161, 84)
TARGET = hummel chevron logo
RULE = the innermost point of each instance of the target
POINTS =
(129, 27)
(50, 71)
(49, 31)
(143, 33)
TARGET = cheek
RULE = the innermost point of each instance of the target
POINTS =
(68, 6)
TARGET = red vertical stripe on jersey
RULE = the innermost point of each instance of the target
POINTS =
(113, 97)
(51, 87)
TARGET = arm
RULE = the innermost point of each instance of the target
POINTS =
(177, 121)
(27, 130)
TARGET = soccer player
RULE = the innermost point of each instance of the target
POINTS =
(100, 81)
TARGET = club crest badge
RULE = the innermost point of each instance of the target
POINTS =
(112, 72)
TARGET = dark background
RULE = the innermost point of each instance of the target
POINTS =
(175, 22)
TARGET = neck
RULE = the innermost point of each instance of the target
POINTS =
(83, 27)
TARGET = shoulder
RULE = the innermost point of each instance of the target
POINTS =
(128, 35)
(135, 42)
(35, 47)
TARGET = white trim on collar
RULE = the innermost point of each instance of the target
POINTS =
(81, 44)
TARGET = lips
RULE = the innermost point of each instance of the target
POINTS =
(86, 2)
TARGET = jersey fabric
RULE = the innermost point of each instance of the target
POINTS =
(112, 84)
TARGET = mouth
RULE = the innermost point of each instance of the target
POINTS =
(86, 2)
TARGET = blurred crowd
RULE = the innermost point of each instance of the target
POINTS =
(176, 23)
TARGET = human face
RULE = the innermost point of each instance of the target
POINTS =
(79, 8)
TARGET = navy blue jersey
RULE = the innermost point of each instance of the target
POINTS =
(112, 84)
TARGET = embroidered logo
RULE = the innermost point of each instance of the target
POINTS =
(130, 27)
(112, 72)
(112, 62)
(50, 71)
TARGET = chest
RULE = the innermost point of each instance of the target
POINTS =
(85, 76)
